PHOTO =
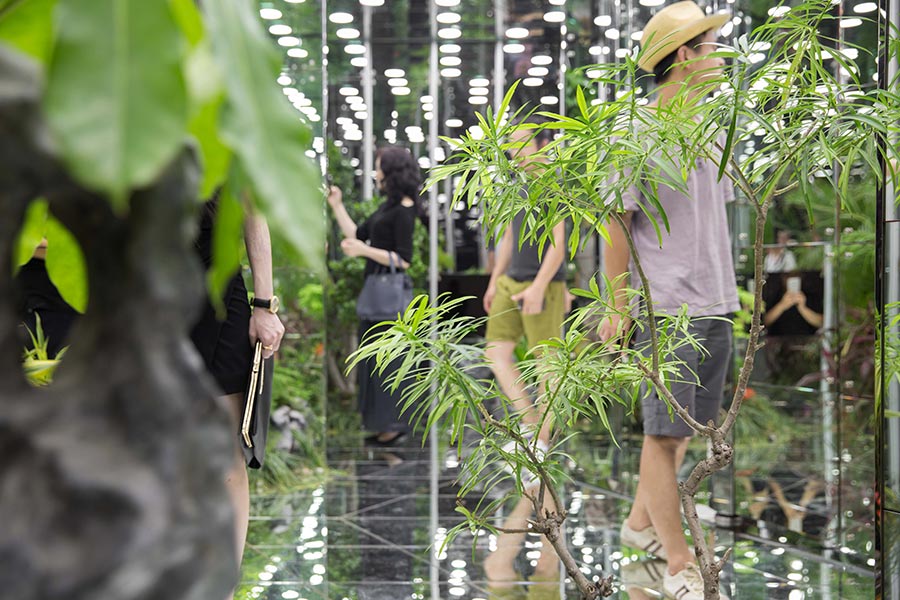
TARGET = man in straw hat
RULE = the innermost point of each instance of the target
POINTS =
(692, 267)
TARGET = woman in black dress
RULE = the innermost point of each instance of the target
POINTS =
(386, 235)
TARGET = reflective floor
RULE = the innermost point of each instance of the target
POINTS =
(366, 533)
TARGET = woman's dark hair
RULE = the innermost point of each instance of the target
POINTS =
(661, 70)
(402, 177)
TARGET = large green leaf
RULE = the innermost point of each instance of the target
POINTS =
(27, 25)
(265, 133)
(206, 98)
(32, 232)
(116, 97)
(65, 265)
(226, 246)
(215, 156)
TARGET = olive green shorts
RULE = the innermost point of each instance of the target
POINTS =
(507, 324)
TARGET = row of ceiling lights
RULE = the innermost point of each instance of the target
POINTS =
(477, 93)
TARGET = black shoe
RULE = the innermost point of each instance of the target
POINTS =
(394, 441)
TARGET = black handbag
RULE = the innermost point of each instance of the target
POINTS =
(384, 295)
(257, 404)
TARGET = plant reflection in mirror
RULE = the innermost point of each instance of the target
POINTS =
(802, 119)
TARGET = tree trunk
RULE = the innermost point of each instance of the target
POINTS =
(111, 479)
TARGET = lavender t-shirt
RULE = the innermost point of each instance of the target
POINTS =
(694, 264)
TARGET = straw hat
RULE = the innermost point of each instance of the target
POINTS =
(672, 27)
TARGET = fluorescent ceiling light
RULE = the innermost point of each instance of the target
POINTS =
(848, 22)
(340, 18)
(555, 16)
(347, 33)
(279, 29)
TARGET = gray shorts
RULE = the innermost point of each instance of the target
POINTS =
(700, 382)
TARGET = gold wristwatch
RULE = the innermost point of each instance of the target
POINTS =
(271, 305)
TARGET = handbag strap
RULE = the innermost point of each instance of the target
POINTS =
(391, 261)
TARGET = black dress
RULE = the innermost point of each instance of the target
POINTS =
(224, 345)
(389, 228)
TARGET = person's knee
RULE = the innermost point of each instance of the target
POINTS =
(499, 354)
(666, 443)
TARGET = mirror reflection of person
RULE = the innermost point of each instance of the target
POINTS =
(793, 317)
(386, 236)
(789, 310)
(780, 259)
(504, 582)
(525, 297)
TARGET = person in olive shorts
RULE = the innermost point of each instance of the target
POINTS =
(525, 297)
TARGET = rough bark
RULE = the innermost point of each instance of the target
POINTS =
(111, 479)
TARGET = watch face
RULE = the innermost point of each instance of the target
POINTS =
(274, 304)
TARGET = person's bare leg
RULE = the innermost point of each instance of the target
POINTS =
(501, 357)
(659, 500)
(237, 483)
(639, 518)
(498, 566)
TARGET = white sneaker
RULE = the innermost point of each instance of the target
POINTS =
(686, 584)
(644, 574)
(646, 539)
